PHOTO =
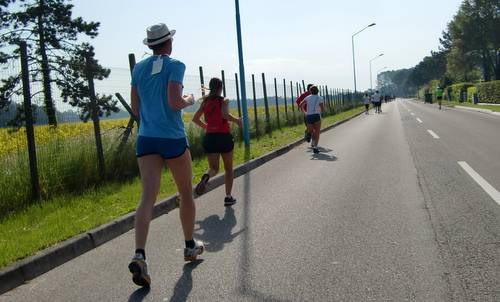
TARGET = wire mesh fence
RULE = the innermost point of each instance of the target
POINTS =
(67, 159)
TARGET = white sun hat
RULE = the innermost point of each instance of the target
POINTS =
(157, 34)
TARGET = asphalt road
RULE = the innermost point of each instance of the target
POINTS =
(385, 213)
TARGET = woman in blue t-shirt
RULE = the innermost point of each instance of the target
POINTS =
(157, 100)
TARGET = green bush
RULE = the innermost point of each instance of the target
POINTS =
(454, 91)
(470, 93)
(489, 92)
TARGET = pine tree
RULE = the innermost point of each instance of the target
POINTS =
(52, 34)
(75, 88)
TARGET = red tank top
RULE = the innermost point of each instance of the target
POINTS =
(212, 110)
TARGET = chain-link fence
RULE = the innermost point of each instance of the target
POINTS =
(67, 160)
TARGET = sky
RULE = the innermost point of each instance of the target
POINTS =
(297, 40)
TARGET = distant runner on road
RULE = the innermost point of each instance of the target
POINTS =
(157, 100)
(366, 101)
(315, 106)
(218, 141)
(299, 101)
(439, 95)
(377, 102)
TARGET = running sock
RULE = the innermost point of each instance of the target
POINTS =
(190, 244)
(142, 252)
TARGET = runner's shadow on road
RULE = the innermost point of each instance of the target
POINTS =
(139, 294)
(184, 285)
(324, 157)
(218, 232)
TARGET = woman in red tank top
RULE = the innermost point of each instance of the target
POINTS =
(218, 141)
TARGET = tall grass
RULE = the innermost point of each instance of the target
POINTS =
(68, 164)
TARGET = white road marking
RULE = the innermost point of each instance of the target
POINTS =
(419, 120)
(481, 182)
(413, 114)
(433, 134)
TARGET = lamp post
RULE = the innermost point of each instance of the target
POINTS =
(246, 133)
(378, 72)
(353, 57)
(371, 86)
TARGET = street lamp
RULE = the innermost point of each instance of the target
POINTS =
(371, 86)
(246, 133)
(353, 59)
(378, 72)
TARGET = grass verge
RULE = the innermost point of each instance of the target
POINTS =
(44, 224)
(465, 104)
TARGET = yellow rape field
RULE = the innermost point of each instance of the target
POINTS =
(15, 141)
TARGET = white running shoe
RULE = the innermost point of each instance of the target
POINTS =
(191, 254)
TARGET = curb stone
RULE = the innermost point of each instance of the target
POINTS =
(29, 268)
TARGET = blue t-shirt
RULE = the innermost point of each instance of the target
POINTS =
(156, 117)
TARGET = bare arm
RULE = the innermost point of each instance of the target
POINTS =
(322, 107)
(303, 106)
(197, 117)
(228, 116)
(134, 97)
(176, 100)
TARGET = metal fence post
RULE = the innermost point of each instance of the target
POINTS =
(95, 117)
(266, 104)
(30, 131)
(327, 98)
(238, 95)
(202, 80)
(223, 83)
(292, 102)
(277, 102)
(303, 86)
(284, 97)
(255, 107)
(130, 124)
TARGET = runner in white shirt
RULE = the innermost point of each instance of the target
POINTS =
(366, 101)
(377, 102)
(315, 106)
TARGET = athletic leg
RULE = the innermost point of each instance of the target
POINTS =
(213, 169)
(227, 158)
(317, 131)
(150, 168)
(182, 174)
(310, 130)
(213, 164)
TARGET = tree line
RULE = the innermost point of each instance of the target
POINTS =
(56, 57)
(469, 51)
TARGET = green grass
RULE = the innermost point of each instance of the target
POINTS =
(67, 160)
(467, 104)
(46, 223)
(490, 107)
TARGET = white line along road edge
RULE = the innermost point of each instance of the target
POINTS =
(481, 181)
(419, 120)
(413, 114)
(433, 134)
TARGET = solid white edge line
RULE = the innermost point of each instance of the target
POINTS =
(433, 134)
(413, 114)
(419, 120)
(481, 182)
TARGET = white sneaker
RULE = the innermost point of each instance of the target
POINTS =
(191, 254)
(139, 269)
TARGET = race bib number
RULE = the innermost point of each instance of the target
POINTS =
(157, 66)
